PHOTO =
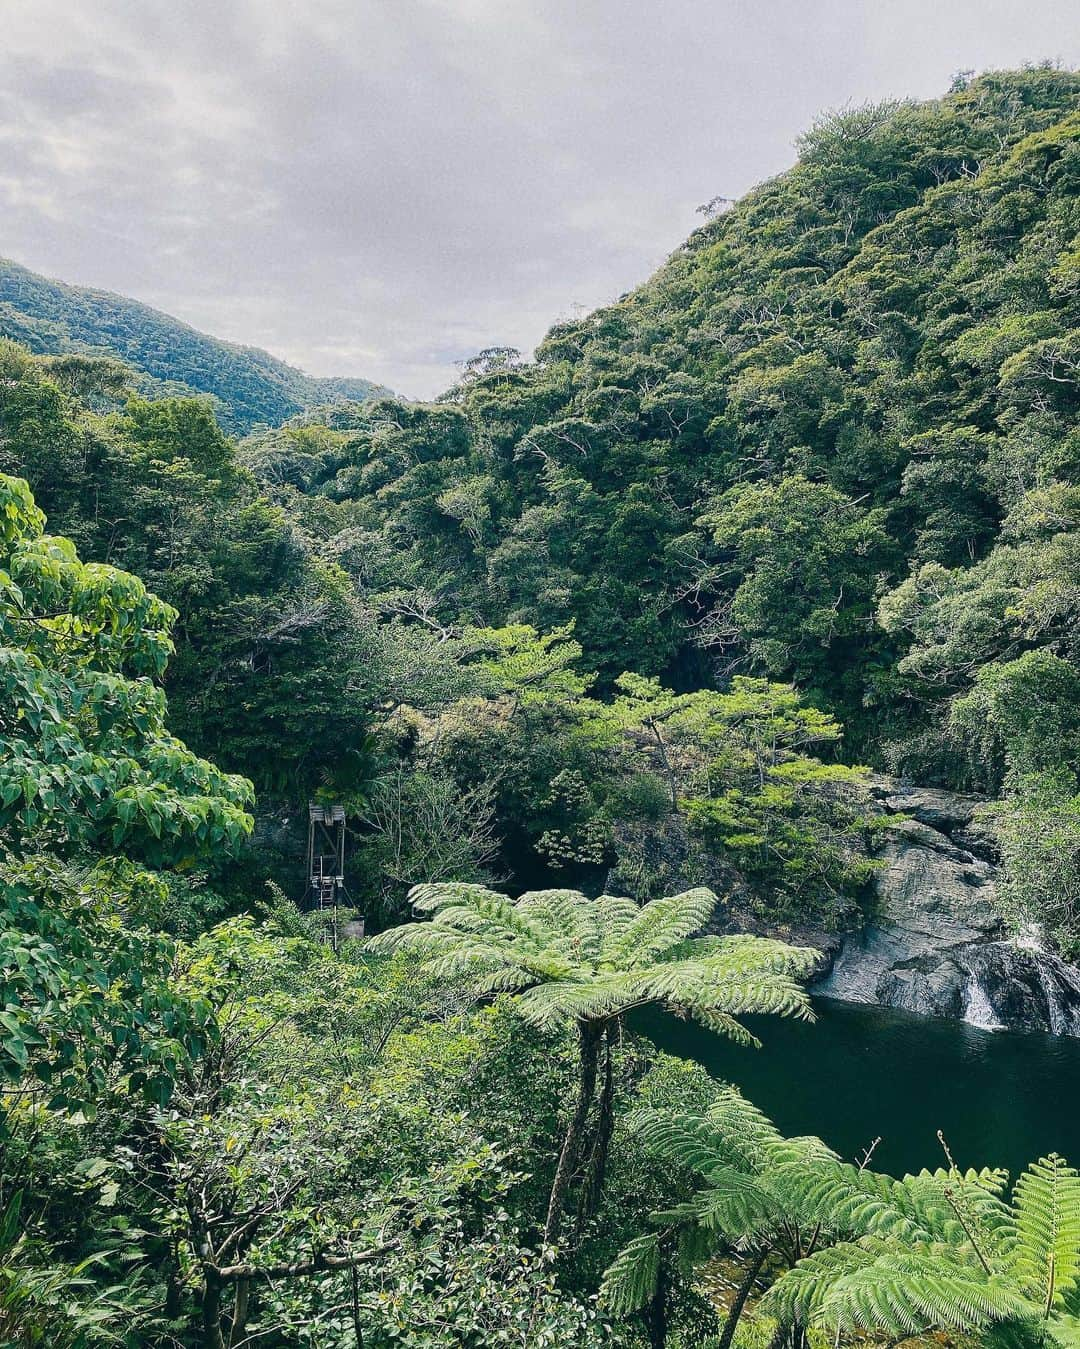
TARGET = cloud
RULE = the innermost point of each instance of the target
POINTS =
(382, 187)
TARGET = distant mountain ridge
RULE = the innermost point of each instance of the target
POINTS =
(249, 386)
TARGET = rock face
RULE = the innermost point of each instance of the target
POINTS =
(935, 943)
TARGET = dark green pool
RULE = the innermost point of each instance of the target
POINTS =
(1001, 1098)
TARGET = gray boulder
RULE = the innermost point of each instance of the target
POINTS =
(935, 943)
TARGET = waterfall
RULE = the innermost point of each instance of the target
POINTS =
(978, 1010)
(1062, 990)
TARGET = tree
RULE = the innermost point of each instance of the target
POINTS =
(773, 1200)
(89, 762)
(566, 960)
(965, 1257)
(1037, 830)
(90, 768)
(803, 562)
(738, 765)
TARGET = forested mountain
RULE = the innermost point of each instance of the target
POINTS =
(833, 441)
(249, 386)
(612, 630)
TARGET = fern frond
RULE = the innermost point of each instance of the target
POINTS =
(1064, 1331)
(434, 895)
(615, 913)
(934, 1197)
(856, 1202)
(569, 921)
(660, 925)
(734, 954)
(877, 1286)
(744, 1127)
(735, 1204)
(686, 1139)
(1047, 1254)
(720, 1023)
(629, 1282)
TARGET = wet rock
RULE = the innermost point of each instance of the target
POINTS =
(935, 943)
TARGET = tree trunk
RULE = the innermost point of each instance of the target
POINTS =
(588, 1049)
(238, 1329)
(656, 1311)
(741, 1294)
(605, 1124)
(357, 1328)
(673, 786)
(211, 1311)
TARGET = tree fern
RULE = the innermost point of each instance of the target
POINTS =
(566, 960)
(948, 1251)
(941, 1250)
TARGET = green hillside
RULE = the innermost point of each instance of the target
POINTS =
(590, 653)
(832, 441)
(250, 387)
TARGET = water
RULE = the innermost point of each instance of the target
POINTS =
(1001, 1098)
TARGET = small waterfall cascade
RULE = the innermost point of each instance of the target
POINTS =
(977, 1009)
(1020, 984)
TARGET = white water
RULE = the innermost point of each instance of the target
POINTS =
(978, 1011)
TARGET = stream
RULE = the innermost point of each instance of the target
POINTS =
(1002, 1098)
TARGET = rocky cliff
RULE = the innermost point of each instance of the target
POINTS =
(935, 943)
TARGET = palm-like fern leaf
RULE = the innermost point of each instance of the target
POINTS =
(570, 923)
(854, 1201)
(1047, 1253)
(631, 1278)
(734, 1204)
(879, 1285)
(688, 1140)
(741, 1124)
(660, 925)
(1064, 1331)
(567, 958)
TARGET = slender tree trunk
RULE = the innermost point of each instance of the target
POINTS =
(240, 1311)
(673, 787)
(656, 1312)
(743, 1291)
(605, 1124)
(357, 1329)
(588, 1051)
(211, 1311)
(174, 1289)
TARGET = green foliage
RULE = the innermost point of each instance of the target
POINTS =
(737, 764)
(568, 961)
(977, 1261)
(276, 670)
(1037, 829)
(83, 997)
(821, 471)
(1021, 717)
(803, 561)
(631, 1279)
(857, 383)
(566, 958)
(88, 759)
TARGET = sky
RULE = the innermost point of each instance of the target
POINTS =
(383, 188)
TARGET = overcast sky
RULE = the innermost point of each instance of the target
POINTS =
(383, 187)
